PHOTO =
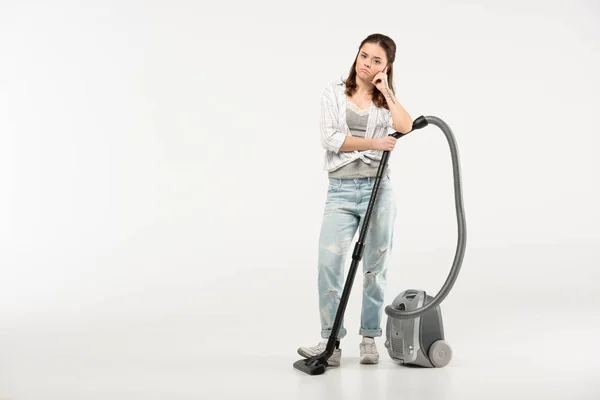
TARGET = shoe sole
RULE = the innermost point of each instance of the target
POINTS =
(369, 360)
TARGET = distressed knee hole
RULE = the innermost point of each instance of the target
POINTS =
(338, 248)
(335, 249)
(371, 279)
(376, 263)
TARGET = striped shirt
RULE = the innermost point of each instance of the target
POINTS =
(334, 128)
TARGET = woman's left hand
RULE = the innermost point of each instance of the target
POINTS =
(381, 80)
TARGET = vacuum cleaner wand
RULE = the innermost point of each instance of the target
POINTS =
(316, 365)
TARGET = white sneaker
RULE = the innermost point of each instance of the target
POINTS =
(308, 352)
(368, 351)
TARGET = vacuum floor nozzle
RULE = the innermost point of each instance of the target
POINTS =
(312, 366)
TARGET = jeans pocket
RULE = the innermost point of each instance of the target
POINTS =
(333, 186)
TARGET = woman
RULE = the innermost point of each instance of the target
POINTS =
(357, 116)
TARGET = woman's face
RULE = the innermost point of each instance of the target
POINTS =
(371, 60)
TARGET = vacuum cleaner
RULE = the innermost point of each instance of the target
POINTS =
(414, 329)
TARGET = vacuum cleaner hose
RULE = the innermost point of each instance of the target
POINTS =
(462, 234)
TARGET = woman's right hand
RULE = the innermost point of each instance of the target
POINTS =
(385, 144)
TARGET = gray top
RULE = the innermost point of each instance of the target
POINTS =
(357, 119)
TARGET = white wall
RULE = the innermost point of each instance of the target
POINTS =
(163, 157)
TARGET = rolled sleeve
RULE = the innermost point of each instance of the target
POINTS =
(332, 138)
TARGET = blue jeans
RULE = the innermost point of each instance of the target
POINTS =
(345, 209)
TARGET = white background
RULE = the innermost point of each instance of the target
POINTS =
(161, 193)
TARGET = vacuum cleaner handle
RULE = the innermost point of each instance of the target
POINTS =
(418, 123)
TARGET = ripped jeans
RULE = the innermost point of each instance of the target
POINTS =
(345, 209)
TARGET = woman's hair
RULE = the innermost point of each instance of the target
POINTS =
(387, 44)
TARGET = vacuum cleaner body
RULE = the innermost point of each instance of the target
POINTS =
(417, 341)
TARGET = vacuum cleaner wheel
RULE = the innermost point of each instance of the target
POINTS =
(440, 353)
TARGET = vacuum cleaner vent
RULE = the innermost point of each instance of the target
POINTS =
(398, 346)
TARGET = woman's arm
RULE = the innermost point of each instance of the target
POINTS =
(355, 143)
(402, 122)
